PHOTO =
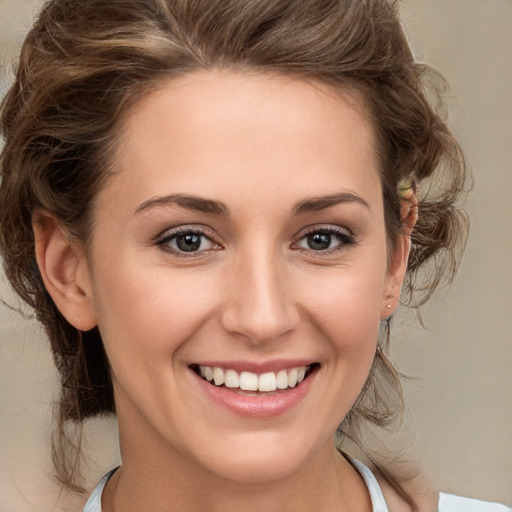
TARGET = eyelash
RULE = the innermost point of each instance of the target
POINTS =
(168, 237)
(344, 237)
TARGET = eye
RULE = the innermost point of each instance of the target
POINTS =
(326, 239)
(185, 240)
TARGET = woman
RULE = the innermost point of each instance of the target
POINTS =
(212, 207)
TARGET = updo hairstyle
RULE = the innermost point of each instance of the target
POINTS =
(85, 63)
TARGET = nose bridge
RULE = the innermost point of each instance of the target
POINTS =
(260, 304)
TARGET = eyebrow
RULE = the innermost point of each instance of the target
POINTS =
(199, 204)
(315, 204)
(213, 207)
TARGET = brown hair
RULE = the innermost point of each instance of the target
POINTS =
(84, 63)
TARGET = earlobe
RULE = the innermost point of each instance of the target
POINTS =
(64, 271)
(395, 276)
(400, 257)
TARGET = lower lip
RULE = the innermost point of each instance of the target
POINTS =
(256, 406)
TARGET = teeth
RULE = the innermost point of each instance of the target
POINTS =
(249, 381)
(218, 376)
(292, 377)
(232, 379)
(282, 379)
(208, 373)
(267, 382)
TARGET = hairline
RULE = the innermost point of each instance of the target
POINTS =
(348, 90)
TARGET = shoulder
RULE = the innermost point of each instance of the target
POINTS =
(94, 502)
(452, 503)
(429, 500)
(423, 493)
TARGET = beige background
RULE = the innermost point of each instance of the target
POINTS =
(459, 423)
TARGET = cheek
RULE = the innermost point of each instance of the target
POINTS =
(344, 309)
(148, 315)
(347, 304)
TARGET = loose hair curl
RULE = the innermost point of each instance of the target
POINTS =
(83, 64)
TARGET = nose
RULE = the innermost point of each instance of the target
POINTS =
(259, 301)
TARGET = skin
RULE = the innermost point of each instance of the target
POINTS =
(260, 145)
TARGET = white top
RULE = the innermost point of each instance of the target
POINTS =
(447, 502)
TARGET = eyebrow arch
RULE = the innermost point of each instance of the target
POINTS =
(315, 204)
(186, 201)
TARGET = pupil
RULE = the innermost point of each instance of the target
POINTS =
(319, 241)
(189, 242)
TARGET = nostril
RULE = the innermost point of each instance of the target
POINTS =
(259, 328)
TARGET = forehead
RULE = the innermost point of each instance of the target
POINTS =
(212, 132)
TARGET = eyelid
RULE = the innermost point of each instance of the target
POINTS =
(169, 234)
(345, 236)
(182, 229)
(331, 229)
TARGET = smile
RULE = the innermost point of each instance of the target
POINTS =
(269, 390)
(249, 381)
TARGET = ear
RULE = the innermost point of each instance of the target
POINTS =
(400, 256)
(64, 271)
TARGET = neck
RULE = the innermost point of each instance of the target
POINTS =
(173, 482)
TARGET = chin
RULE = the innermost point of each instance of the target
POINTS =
(263, 470)
(258, 460)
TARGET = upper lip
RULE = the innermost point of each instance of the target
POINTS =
(258, 367)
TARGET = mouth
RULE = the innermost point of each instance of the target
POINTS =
(255, 384)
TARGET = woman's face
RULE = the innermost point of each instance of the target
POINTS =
(242, 236)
